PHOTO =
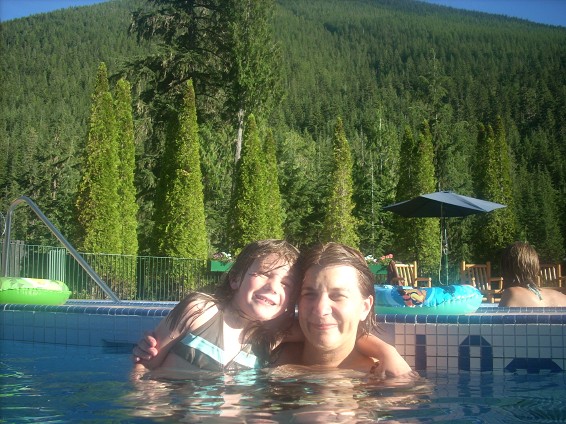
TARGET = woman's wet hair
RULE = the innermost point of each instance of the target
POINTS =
(330, 254)
(519, 265)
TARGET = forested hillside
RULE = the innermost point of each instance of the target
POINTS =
(382, 66)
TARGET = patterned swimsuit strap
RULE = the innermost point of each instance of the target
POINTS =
(535, 290)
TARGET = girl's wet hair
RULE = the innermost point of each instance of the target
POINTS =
(281, 249)
(330, 254)
(182, 316)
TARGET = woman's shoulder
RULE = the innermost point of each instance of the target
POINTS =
(518, 296)
(553, 297)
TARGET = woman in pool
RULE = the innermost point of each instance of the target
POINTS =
(520, 268)
(212, 332)
(335, 310)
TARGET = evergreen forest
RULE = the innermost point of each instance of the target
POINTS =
(424, 97)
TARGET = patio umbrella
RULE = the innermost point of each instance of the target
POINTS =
(442, 204)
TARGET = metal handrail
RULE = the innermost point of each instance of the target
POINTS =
(56, 233)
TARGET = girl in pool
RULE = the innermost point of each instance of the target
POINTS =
(213, 332)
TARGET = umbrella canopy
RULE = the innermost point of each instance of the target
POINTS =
(442, 204)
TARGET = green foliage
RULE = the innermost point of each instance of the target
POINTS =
(274, 213)
(128, 207)
(98, 204)
(418, 238)
(453, 68)
(303, 188)
(498, 228)
(180, 218)
(339, 222)
(249, 202)
(126, 188)
(253, 79)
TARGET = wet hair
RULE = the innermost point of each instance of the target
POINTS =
(519, 265)
(330, 254)
(182, 316)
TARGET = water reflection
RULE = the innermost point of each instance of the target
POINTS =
(286, 394)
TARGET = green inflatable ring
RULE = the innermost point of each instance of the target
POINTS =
(33, 291)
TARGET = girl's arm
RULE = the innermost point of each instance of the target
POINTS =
(153, 348)
(391, 363)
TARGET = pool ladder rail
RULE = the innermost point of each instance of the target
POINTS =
(76, 255)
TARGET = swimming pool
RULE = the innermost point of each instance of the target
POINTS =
(63, 384)
(71, 363)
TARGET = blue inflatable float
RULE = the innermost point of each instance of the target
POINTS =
(442, 300)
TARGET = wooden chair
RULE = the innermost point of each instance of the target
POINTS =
(550, 275)
(407, 275)
(479, 276)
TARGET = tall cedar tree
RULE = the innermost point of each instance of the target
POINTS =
(127, 153)
(274, 212)
(180, 218)
(249, 205)
(498, 228)
(417, 238)
(126, 188)
(98, 204)
(339, 223)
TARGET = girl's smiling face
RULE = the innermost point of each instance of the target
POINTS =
(266, 290)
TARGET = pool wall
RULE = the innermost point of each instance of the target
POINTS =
(491, 340)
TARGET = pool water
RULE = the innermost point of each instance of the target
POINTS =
(50, 383)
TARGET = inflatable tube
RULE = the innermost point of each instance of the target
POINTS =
(33, 291)
(442, 300)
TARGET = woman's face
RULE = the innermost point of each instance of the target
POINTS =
(331, 306)
(266, 289)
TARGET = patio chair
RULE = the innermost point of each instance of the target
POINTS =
(550, 275)
(407, 275)
(479, 276)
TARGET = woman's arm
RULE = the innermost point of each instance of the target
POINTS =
(391, 363)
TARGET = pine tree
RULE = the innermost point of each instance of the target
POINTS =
(274, 211)
(340, 223)
(126, 189)
(417, 238)
(255, 72)
(249, 209)
(180, 219)
(426, 230)
(98, 204)
(498, 228)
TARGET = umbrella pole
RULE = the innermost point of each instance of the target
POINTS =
(445, 249)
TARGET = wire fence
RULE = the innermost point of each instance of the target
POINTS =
(148, 278)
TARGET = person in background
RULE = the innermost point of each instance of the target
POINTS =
(520, 268)
(217, 332)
